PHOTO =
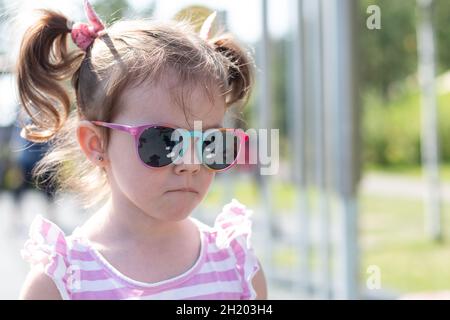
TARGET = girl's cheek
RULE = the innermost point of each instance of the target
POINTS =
(209, 179)
(120, 148)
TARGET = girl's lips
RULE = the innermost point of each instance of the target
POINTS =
(184, 190)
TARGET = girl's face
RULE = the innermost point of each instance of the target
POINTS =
(154, 191)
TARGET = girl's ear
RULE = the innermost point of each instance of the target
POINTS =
(91, 142)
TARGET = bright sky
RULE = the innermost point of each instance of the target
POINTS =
(244, 15)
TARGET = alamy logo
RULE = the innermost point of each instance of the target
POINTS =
(374, 277)
(218, 146)
(373, 22)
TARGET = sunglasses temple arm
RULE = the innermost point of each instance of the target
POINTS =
(131, 130)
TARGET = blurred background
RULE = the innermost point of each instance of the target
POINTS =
(360, 93)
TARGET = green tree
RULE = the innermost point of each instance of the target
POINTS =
(442, 18)
(388, 55)
(112, 10)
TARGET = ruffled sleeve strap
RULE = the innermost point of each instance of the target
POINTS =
(234, 229)
(47, 245)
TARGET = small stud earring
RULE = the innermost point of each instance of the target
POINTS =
(100, 158)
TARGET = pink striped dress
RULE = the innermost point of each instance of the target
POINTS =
(223, 270)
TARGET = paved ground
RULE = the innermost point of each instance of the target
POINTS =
(399, 186)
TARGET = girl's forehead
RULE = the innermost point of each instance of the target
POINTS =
(172, 104)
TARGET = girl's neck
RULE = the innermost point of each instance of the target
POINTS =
(123, 221)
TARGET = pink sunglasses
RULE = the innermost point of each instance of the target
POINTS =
(158, 145)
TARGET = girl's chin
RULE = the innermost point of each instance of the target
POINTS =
(182, 199)
(179, 207)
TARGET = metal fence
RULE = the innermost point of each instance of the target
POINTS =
(323, 138)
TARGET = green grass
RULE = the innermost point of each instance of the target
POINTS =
(392, 236)
(391, 130)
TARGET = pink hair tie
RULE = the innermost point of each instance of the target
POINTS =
(83, 34)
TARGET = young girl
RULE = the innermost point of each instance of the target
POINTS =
(135, 83)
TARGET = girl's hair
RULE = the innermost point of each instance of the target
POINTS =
(125, 55)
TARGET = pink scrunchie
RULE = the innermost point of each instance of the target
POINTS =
(83, 34)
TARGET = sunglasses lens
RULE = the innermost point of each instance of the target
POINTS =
(220, 149)
(156, 146)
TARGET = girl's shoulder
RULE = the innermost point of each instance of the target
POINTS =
(231, 235)
(61, 256)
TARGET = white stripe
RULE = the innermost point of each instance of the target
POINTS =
(99, 285)
(250, 262)
(92, 265)
(195, 290)
(57, 278)
(52, 235)
(61, 268)
(62, 289)
(229, 263)
(213, 248)
(75, 245)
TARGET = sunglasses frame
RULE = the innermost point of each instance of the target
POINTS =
(136, 132)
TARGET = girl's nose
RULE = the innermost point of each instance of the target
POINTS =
(188, 162)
